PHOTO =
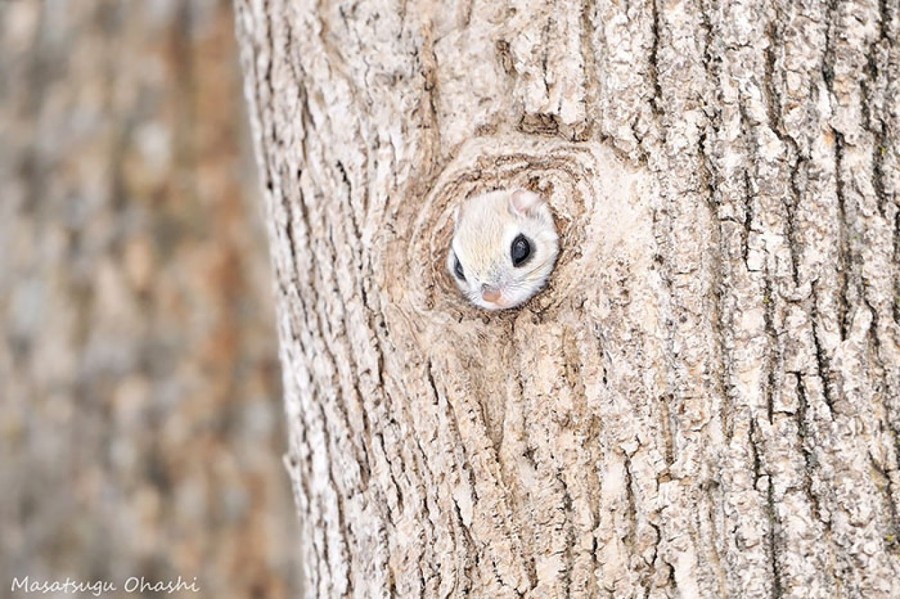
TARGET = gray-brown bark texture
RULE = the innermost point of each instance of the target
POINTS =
(704, 403)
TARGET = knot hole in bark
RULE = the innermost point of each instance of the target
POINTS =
(583, 183)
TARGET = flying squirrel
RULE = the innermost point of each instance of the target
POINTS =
(504, 248)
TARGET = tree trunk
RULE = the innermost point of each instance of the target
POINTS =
(706, 400)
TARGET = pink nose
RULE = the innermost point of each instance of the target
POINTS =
(490, 294)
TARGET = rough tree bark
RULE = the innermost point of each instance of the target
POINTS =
(704, 403)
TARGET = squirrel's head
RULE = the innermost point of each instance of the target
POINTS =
(504, 248)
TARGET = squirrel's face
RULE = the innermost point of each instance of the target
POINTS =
(504, 248)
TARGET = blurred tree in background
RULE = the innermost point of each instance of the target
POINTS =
(141, 427)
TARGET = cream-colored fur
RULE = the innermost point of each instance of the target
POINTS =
(486, 226)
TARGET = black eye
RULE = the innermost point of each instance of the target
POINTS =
(520, 251)
(457, 269)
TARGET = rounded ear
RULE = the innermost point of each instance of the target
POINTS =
(524, 202)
